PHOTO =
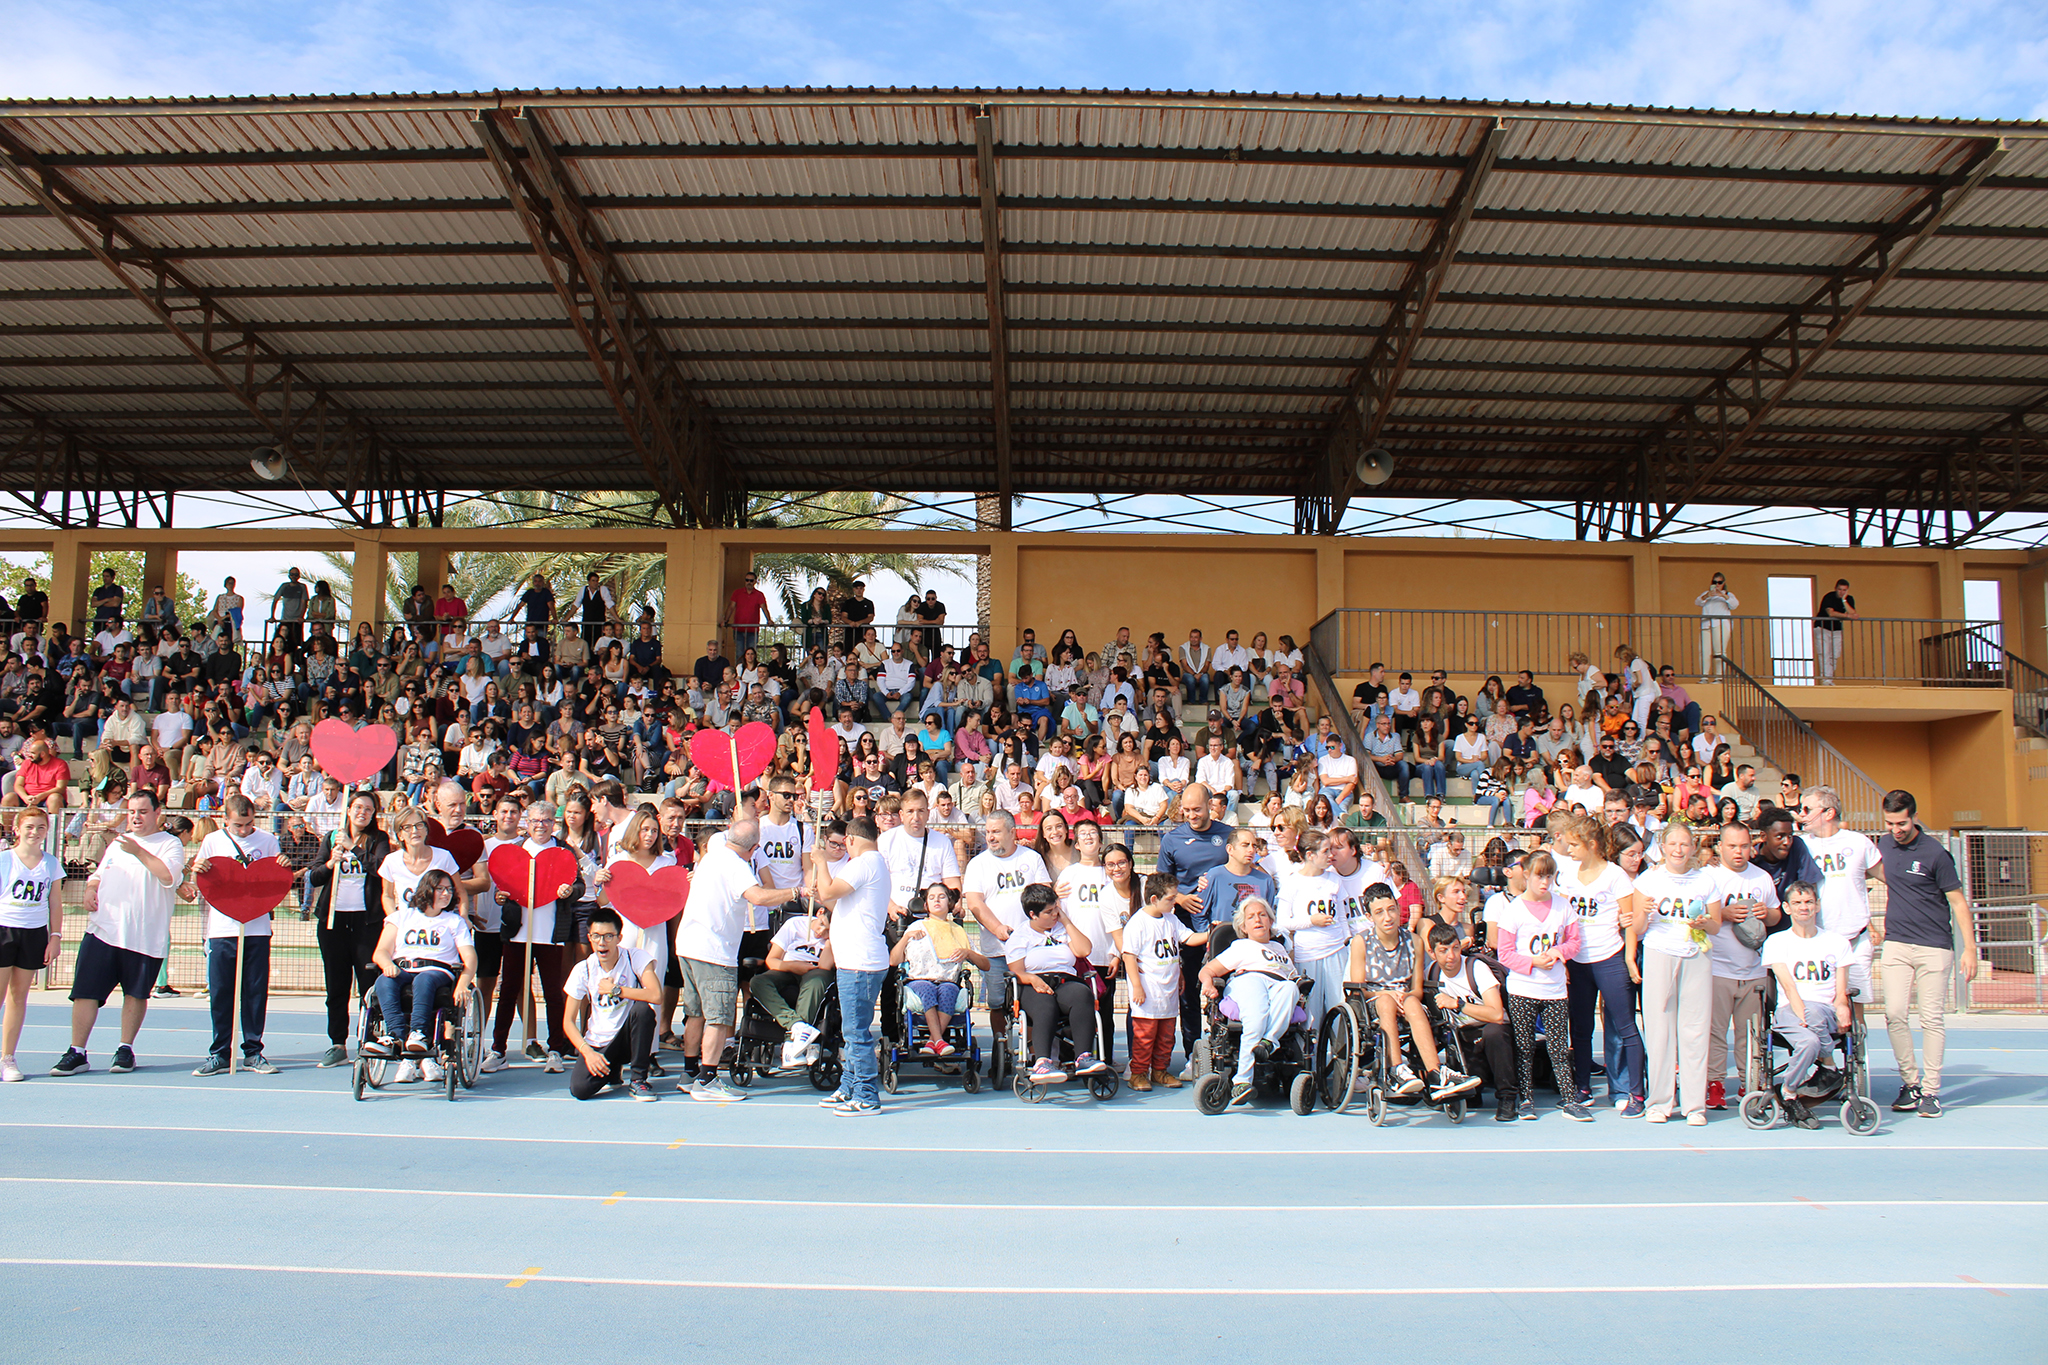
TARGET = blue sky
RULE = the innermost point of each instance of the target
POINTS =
(1930, 57)
(1951, 58)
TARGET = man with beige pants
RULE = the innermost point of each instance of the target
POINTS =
(1926, 911)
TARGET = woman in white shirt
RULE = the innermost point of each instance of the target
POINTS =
(1287, 654)
(935, 952)
(1470, 750)
(1262, 978)
(1716, 605)
(1639, 681)
(1602, 898)
(1045, 957)
(1679, 907)
(638, 841)
(473, 681)
(429, 946)
(1173, 767)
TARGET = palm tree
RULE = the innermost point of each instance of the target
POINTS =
(487, 578)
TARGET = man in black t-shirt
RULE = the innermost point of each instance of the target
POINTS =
(857, 612)
(1611, 772)
(1835, 608)
(539, 600)
(1926, 911)
(33, 604)
(1526, 699)
(108, 598)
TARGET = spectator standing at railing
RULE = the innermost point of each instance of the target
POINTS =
(746, 611)
(108, 599)
(1835, 607)
(288, 607)
(1716, 605)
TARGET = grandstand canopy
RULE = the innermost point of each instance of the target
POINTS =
(710, 291)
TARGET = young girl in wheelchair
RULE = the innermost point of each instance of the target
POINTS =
(427, 947)
(934, 953)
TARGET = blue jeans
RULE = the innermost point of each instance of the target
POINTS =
(1432, 775)
(1265, 1006)
(1500, 809)
(1608, 979)
(1336, 795)
(220, 992)
(425, 986)
(1195, 686)
(1469, 771)
(859, 992)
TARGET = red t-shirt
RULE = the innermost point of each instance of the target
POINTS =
(451, 609)
(747, 606)
(34, 779)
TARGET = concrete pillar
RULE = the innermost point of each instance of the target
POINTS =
(1002, 595)
(431, 570)
(690, 597)
(1329, 578)
(367, 585)
(1948, 585)
(159, 567)
(70, 585)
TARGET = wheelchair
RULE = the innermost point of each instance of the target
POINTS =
(1351, 1045)
(1012, 1050)
(904, 1030)
(756, 1048)
(458, 1037)
(1850, 1083)
(1288, 1071)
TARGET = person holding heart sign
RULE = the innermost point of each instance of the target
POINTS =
(549, 883)
(238, 841)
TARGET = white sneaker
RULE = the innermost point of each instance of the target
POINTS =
(408, 1072)
(812, 1051)
(804, 1034)
(553, 1063)
(792, 1054)
(1406, 1082)
(431, 1069)
(1187, 1073)
(416, 1042)
(9, 1071)
(493, 1061)
(1695, 1120)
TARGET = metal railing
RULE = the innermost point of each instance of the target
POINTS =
(1791, 745)
(1339, 711)
(2005, 874)
(1780, 649)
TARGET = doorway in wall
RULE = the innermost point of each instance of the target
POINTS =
(1791, 608)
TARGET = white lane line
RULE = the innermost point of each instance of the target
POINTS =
(1688, 1150)
(619, 1197)
(788, 1286)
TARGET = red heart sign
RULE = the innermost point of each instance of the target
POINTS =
(463, 844)
(717, 753)
(350, 756)
(551, 868)
(824, 752)
(647, 898)
(245, 893)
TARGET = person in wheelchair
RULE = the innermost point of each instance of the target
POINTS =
(1468, 992)
(426, 948)
(1045, 957)
(1384, 962)
(1262, 984)
(791, 987)
(934, 954)
(1812, 969)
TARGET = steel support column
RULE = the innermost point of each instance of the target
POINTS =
(671, 429)
(1707, 431)
(998, 326)
(1370, 398)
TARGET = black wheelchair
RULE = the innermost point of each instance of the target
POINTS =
(1351, 1045)
(1850, 1083)
(756, 1048)
(458, 1040)
(1288, 1071)
(904, 1031)
(1012, 1051)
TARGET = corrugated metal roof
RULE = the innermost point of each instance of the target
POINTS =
(1190, 283)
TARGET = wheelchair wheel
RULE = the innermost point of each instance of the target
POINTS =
(362, 1075)
(1198, 1057)
(742, 1075)
(1760, 1109)
(1212, 1093)
(1104, 1086)
(825, 1072)
(998, 1061)
(1337, 1058)
(1376, 1106)
(889, 1072)
(1456, 1110)
(970, 1080)
(1302, 1094)
(451, 1074)
(1861, 1116)
(471, 1055)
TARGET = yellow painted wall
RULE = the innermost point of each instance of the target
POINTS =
(1975, 768)
(1900, 584)
(1894, 753)
(1456, 575)
(1171, 588)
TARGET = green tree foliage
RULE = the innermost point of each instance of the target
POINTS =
(192, 600)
